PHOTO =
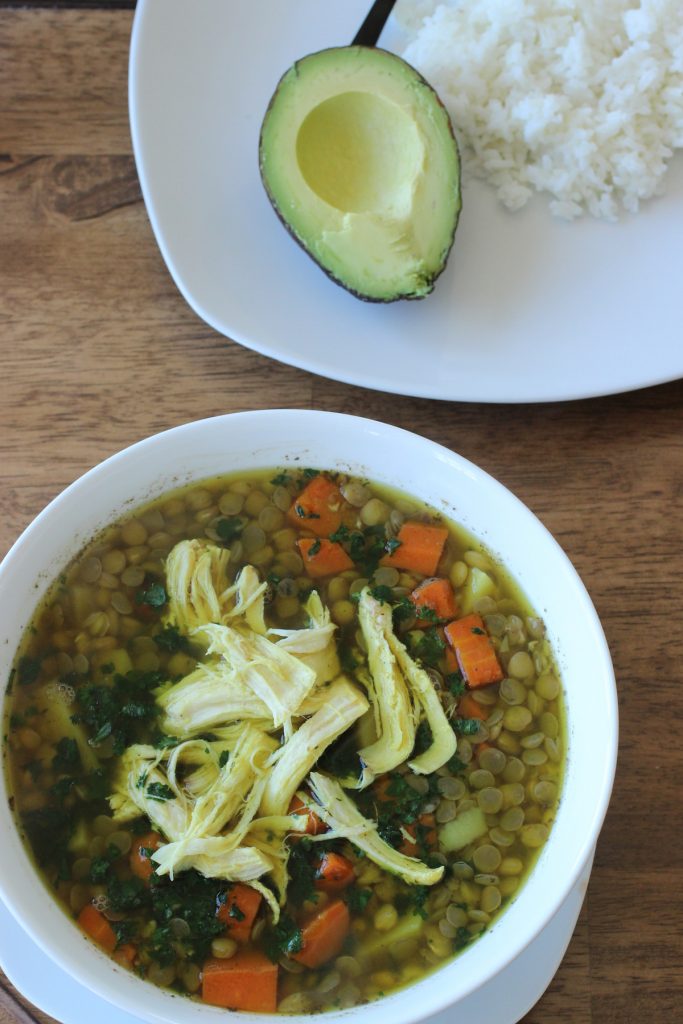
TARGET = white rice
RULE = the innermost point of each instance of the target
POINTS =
(582, 99)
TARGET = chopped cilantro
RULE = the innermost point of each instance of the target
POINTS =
(455, 765)
(171, 639)
(100, 866)
(419, 895)
(314, 548)
(365, 547)
(309, 474)
(124, 931)
(62, 788)
(28, 670)
(154, 595)
(301, 873)
(126, 894)
(391, 545)
(466, 726)
(34, 768)
(455, 683)
(423, 738)
(236, 913)
(357, 899)
(400, 805)
(428, 647)
(389, 832)
(163, 742)
(159, 791)
(403, 611)
(194, 899)
(479, 632)
(229, 529)
(223, 758)
(341, 757)
(340, 535)
(48, 831)
(114, 709)
(67, 758)
(303, 514)
(102, 733)
(381, 593)
(282, 939)
(427, 614)
(281, 480)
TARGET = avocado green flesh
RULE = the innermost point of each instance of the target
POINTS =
(359, 161)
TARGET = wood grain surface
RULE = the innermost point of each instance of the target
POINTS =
(98, 349)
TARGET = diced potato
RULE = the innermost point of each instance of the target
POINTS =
(55, 722)
(463, 830)
(409, 927)
(80, 838)
(477, 585)
(119, 658)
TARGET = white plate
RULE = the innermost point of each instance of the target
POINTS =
(506, 999)
(527, 310)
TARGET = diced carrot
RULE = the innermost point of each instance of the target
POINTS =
(468, 707)
(140, 854)
(323, 557)
(125, 954)
(450, 660)
(380, 787)
(246, 981)
(315, 825)
(323, 936)
(319, 507)
(420, 548)
(437, 594)
(476, 656)
(239, 911)
(94, 923)
(334, 873)
(428, 822)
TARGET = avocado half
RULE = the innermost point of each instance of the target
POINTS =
(358, 157)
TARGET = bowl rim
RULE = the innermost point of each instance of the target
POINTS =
(432, 997)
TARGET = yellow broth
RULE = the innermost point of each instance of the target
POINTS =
(102, 620)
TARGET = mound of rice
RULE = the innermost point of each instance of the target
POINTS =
(579, 98)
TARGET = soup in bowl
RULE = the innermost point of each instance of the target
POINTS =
(292, 726)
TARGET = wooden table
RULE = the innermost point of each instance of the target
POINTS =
(99, 350)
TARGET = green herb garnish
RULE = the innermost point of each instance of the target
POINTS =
(67, 759)
(466, 726)
(116, 709)
(170, 639)
(160, 791)
(28, 670)
(455, 683)
(229, 529)
(154, 595)
(282, 939)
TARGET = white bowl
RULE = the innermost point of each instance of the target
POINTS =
(451, 484)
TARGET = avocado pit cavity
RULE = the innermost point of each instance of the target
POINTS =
(361, 153)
